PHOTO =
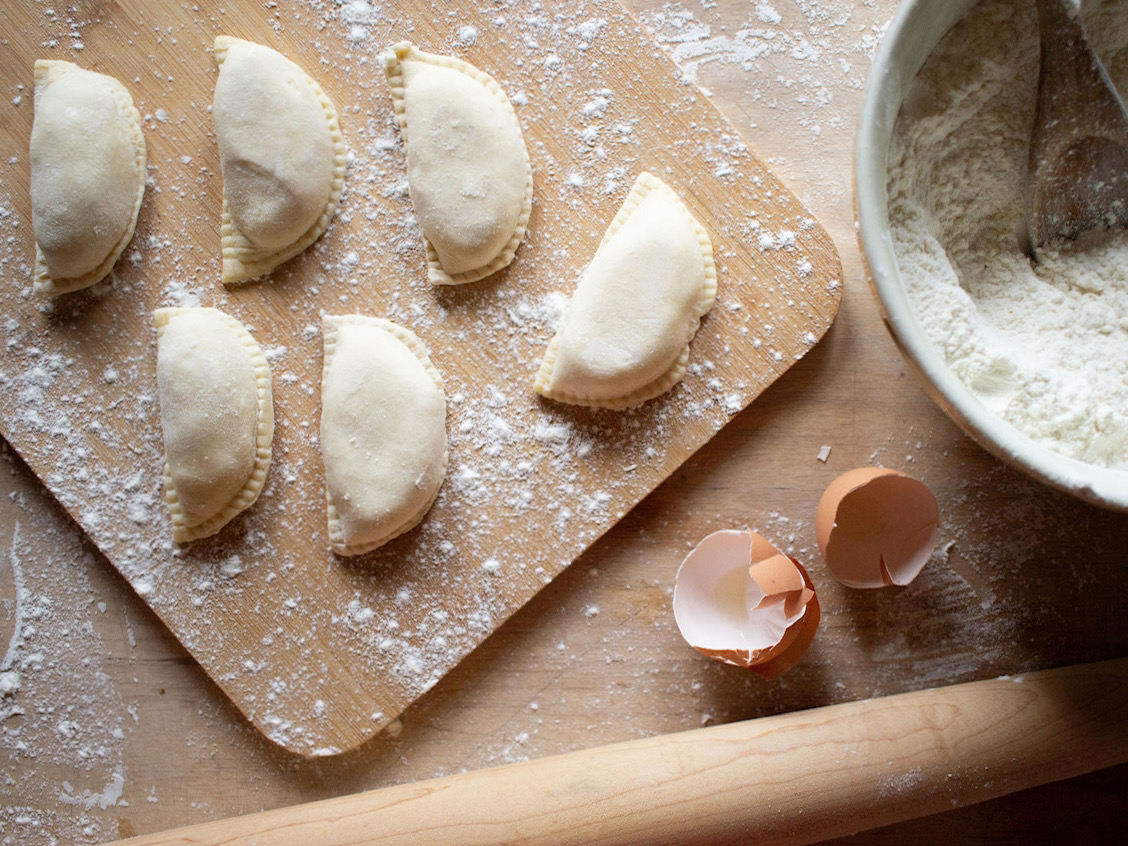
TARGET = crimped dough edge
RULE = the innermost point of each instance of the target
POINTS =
(42, 281)
(393, 68)
(182, 530)
(644, 185)
(241, 260)
(330, 327)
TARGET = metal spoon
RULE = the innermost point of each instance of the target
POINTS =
(1078, 165)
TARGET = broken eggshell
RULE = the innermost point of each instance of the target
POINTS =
(876, 527)
(740, 600)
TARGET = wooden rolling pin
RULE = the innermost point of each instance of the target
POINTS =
(792, 778)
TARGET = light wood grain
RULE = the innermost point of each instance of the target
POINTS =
(321, 653)
(1023, 578)
(792, 778)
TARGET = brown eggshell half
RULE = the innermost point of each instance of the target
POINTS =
(876, 527)
(739, 600)
(798, 637)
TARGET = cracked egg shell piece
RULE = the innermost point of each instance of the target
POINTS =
(739, 600)
(468, 169)
(282, 156)
(88, 162)
(876, 527)
(217, 418)
(624, 337)
(383, 431)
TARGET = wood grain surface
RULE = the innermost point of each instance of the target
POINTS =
(114, 729)
(321, 653)
(856, 765)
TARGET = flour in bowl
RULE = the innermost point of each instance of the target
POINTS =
(1044, 347)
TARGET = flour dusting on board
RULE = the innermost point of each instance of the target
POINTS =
(530, 483)
(777, 60)
(76, 760)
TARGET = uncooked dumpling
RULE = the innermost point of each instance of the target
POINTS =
(282, 156)
(467, 166)
(625, 335)
(87, 175)
(217, 415)
(383, 431)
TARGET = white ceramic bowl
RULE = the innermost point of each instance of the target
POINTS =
(914, 32)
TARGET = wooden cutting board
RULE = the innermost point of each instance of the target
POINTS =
(320, 652)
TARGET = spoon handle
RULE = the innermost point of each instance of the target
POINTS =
(1078, 160)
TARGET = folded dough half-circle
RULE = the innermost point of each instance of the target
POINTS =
(624, 337)
(217, 417)
(87, 175)
(468, 169)
(383, 431)
(282, 155)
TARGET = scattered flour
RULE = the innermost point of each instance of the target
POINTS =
(1043, 346)
(468, 35)
(64, 722)
(61, 720)
(515, 465)
(802, 63)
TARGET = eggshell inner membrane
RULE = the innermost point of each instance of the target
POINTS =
(883, 531)
(738, 599)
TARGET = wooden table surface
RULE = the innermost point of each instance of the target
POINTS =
(108, 728)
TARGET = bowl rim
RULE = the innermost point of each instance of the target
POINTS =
(913, 33)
